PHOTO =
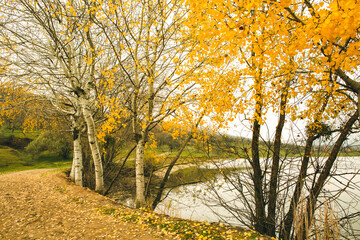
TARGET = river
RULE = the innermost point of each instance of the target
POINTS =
(198, 201)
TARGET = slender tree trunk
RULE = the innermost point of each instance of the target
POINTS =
(72, 172)
(157, 199)
(289, 217)
(117, 175)
(139, 170)
(271, 218)
(288, 220)
(94, 146)
(315, 191)
(78, 161)
(257, 177)
(76, 174)
(83, 94)
(257, 180)
(140, 179)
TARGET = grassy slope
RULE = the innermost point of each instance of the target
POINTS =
(13, 160)
(16, 160)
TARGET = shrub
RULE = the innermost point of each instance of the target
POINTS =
(54, 143)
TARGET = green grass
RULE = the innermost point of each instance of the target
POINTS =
(195, 174)
(193, 152)
(9, 156)
(4, 133)
(12, 160)
(349, 154)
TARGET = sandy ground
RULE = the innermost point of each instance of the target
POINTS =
(43, 204)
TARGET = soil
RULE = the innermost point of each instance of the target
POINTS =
(44, 204)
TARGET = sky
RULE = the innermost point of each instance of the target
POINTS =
(293, 132)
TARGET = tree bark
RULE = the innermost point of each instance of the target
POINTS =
(94, 146)
(257, 180)
(139, 170)
(76, 174)
(289, 217)
(77, 168)
(72, 172)
(271, 217)
(257, 177)
(78, 161)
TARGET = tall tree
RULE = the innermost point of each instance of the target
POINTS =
(54, 51)
(149, 49)
(273, 44)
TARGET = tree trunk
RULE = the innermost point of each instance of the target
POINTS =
(315, 191)
(117, 175)
(139, 170)
(78, 161)
(289, 217)
(157, 199)
(271, 218)
(72, 172)
(257, 177)
(257, 180)
(76, 173)
(94, 146)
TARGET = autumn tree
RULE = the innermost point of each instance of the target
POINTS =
(278, 53)
(151, 53)
(53, 50)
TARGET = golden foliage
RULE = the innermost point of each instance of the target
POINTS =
(260, 45)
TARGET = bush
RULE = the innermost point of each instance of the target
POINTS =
(15, 142)
(54, 143)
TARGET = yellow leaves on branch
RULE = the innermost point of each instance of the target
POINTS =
(275, 41)
(21, 107)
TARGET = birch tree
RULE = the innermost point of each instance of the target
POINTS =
(53, 50)
(150, 51)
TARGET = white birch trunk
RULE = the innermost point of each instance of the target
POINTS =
(139, 170)
(72, 172)
(77, 152)
(77, 165)
(78, 161)
(94, 146)
(84, 94)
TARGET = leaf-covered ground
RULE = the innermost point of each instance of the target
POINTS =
(43, 204)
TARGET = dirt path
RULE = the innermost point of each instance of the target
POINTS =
(42, 204)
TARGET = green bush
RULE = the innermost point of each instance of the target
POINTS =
(55, 143)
